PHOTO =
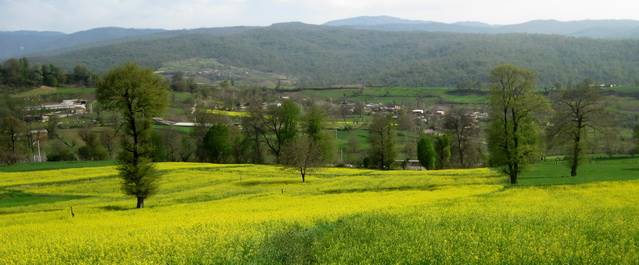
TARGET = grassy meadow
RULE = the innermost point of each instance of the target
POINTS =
(56, 93)
(250, 214)
(398, 95)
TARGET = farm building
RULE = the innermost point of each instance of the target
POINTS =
(66, 108)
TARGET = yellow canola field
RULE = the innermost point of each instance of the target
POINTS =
(248, 214)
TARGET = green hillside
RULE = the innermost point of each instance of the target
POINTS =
(209, 71)
(325, 56)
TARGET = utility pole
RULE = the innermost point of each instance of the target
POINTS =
(39, 153)
(36, 142)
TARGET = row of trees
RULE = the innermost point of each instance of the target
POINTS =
(18, 73)
(296, 136)
(456, 144)
(296, 139)
(293, 136)
(517, 120)
(434, 152)
(181, 83)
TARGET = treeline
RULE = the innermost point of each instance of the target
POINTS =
(18, 73)
(279, 134)
(324, 56)
(522, 124)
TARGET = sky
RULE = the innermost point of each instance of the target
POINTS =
(75, 15)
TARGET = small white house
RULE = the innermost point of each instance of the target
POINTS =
(185, 124)
(71, 105)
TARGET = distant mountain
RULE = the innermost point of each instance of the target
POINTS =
(32, 43)
(327, 55)
(21, 43)
(373, 21)
(609, 29)
(387, 23)
(474, 24)
(16, 43)
(583, 28)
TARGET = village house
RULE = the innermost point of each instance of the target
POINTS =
(66, 108)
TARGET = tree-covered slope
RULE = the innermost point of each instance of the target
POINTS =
(320, 55)
(21, 43)
(605, 29)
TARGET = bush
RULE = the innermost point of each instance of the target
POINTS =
(426, 153)
(60, 152)
(93, 152)
(216, 147)
(93, 148)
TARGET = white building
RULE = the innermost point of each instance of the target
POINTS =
(74, 106)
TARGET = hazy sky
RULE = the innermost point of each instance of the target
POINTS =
(75, 15)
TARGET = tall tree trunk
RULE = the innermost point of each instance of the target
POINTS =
(507, 147)
(461, 151)
(576, 151)
(573, 168)
(515, 150)
(140, 203)
(14, 140)
(135, 152)
(513, 176)
(257, 156)
(383, 150)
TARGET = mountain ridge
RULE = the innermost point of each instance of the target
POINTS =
(606, 28)
(28, 42)
(34, 43)
(325, 56)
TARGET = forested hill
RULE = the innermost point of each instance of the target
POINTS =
(322, 55)
(20, 43)
(605, 29)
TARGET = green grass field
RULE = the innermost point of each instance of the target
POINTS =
(248, 214)
(54, 165)
(554, 172)
(398, 95)
(58, 91)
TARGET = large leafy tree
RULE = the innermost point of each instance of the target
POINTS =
(426, 153)
(11, 133)
(217, 143)
(137, 95)
(12, 130)
(382, 140)
(513, 131)
(578, 111)
(465, 133)
(313, 146)
(52, 75)
(253, 128)
(16, 73)
(442, 148)
(280, 127)
(81, 75)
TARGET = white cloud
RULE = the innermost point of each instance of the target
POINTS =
(74, 15)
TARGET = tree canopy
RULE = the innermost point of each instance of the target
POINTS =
(513, 133)
(137, 95)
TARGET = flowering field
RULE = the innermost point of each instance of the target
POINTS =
(236, 214)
